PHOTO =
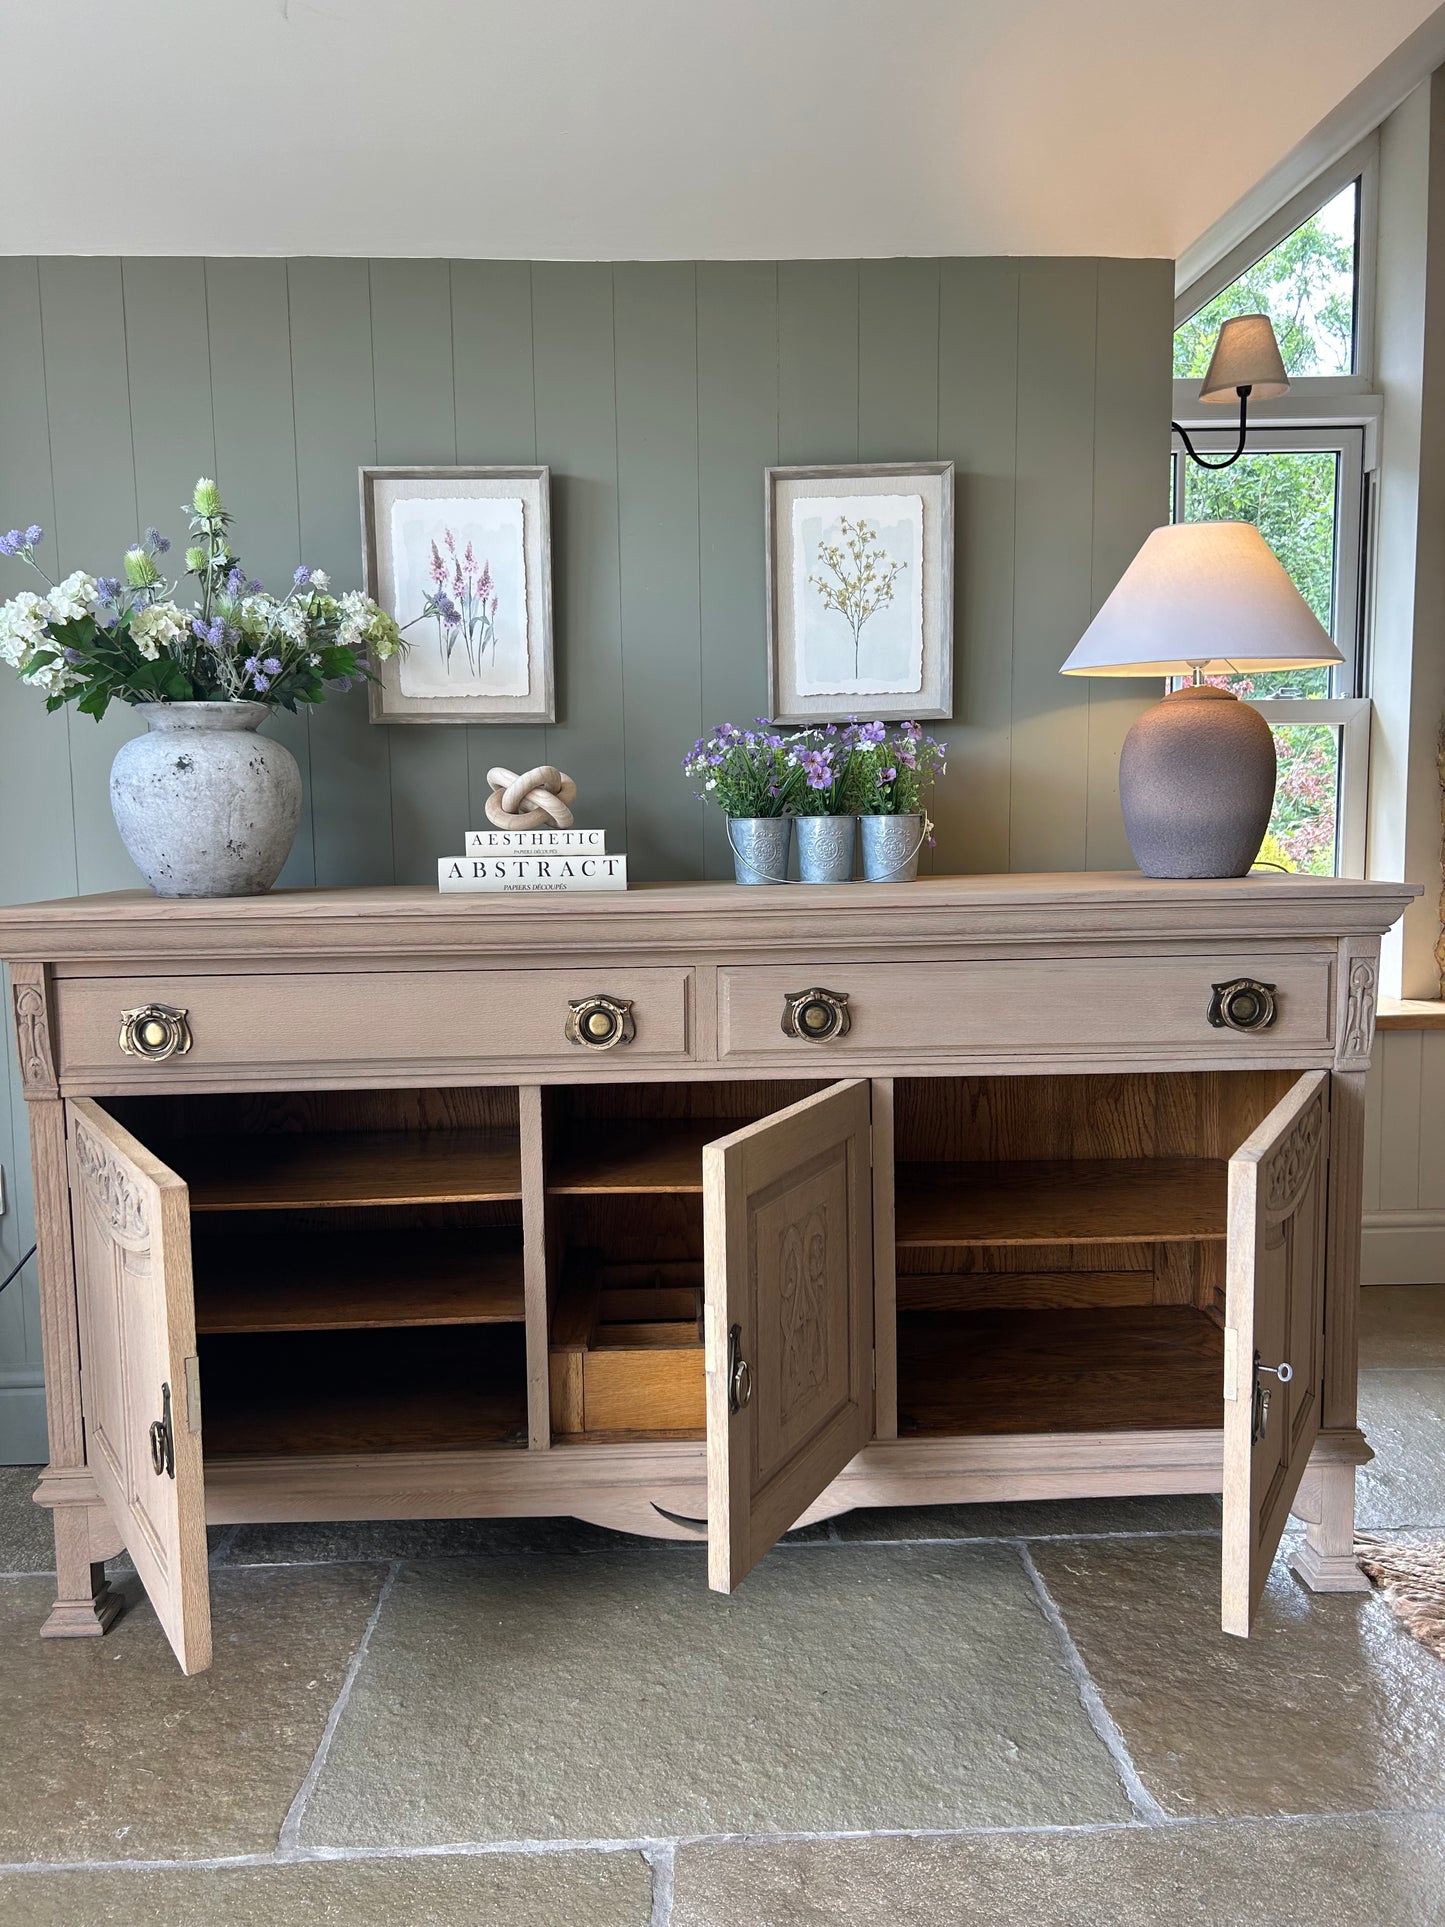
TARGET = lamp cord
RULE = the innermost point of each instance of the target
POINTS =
(19, 1268)
(1229, 460)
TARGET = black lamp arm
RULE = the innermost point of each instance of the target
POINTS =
(1229, 460)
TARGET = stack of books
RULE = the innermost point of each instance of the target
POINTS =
(533, 860)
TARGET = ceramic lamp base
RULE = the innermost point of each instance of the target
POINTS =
(1196, 782)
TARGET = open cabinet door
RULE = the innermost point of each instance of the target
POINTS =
(139, 1389)
(1274, 1333)
(787, 1216)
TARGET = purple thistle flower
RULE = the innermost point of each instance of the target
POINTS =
(302, 576)
(199, 630)
(73, 656)
(235, 581)
(12, 543)
(156, 542)
(250, 665)
(260, 682)
(107, 587)
(255, 586)
(33, 535)
(271, 666)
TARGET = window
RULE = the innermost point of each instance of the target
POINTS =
(1304, 490)
(1302, 481)
(1308, 286)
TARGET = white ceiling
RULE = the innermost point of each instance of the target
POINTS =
(617, 129)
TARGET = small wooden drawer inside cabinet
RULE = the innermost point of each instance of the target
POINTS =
(626, 1357)
(362, 1026)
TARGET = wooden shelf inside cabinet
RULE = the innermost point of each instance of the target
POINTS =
(409, 1391)
(350, 1281)
(1115, 1369)
(305, 1171)
(1062, 1202)
(662, 1155)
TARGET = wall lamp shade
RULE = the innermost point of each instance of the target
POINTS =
(1197, 771)
(1211, 594)
(1246, 355)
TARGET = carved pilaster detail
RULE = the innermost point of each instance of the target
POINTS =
(1357, 1031)
(32, 1031)
(110, 1189)
(1293, 1164)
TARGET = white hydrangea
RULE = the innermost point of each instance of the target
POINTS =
(292, 623)
(320, 580)
(22, 627)
(255, 616)
(73, 598)
(161, 625)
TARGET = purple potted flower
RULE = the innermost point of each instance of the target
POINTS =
(750, 775)
(829, 760)
(895, 768)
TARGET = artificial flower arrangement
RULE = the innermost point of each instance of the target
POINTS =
(92, 640)
(821, 779)
(860, 769)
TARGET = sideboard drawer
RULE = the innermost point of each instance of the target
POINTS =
(361, 1026)
(1061, 1005)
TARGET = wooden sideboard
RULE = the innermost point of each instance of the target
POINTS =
(695, 1211)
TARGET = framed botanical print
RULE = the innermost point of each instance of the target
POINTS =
(860, 592)
(462, 559)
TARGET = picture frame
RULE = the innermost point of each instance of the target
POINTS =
(461, 558)
(859, 560)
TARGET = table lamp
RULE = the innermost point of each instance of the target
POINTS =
(1197, 773)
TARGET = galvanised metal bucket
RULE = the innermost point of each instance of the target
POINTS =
(760, 846)
(890, 848)
(825, 848)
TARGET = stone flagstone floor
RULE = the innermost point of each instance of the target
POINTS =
(949, 1717)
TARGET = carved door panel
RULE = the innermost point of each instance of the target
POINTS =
(787, 1209)
(139, 1390)
(1274, 1333)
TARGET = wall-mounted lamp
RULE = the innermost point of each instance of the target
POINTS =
(1246, 361)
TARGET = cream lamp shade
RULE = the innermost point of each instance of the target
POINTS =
(1246, 355)
(1209, 595)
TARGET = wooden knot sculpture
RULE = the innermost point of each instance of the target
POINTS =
(530, 801)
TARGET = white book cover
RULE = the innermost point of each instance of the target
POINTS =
(568, 870)
(534, 842)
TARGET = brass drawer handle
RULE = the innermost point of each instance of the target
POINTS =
(600, 1023)
(155, 1031)
(816, 1015)
(1242, 1004)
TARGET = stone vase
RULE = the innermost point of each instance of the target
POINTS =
(890, 848)
(1196, 785)
(760, 846)
(825, 848)
(205, 806)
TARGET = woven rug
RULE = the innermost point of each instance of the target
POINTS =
(1411, 1575)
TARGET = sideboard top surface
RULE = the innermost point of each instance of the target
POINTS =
(1117, 906)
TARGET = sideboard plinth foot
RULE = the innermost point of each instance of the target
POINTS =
(85, 1618)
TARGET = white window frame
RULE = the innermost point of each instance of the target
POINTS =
(1352, 442)
(1361, 163)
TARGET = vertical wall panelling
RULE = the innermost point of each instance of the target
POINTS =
(898, 361)
(737, 430)
(416, 422)
(1404, 1197)
(496, 427)
(35, 806)
(34, 753)
(577, 434)
(255, 431)
(657, 503)
(335, 413)
(1131, 393)
(93, 473)
(818, 361)
(1053, 562)
(978, 433)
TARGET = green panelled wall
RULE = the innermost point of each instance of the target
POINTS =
(658, 393)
